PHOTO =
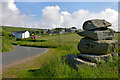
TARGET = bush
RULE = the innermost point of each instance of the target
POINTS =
(4, 33)
(35, 40)
(19, 39)
(29, 39)
(76, 31)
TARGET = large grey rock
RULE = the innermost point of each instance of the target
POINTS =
(73, 61)
(90, 46)
(96, 24)
(95, 58)
(98, 35)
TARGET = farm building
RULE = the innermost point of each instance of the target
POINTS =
(20, 34)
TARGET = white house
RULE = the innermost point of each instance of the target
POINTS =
(20, 34)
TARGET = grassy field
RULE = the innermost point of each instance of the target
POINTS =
(52, 64)
(5, 40)
(11, 29)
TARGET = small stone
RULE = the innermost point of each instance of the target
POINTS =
(95, 24)
(98, 35)
(73, 61)
(95, 58)
(90, 46)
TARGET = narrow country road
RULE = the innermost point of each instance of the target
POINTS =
(20, 53)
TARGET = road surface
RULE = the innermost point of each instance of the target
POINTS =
(21, 53)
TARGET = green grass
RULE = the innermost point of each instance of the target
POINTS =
(11, 29)
(55, 67)
(6, 45)
(52, 64)
(60, 42)
(5, 42)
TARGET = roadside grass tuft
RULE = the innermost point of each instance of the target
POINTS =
(6, 42)
(55, 67)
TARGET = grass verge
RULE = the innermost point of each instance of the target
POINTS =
(6, 42)
(52, 64)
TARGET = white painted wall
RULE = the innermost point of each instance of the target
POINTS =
(23, 35)
(26, 34)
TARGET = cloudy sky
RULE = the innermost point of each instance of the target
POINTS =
(57, 14)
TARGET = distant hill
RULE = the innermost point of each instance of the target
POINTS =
(11, 29)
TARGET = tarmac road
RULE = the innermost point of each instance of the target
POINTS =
(20, 53)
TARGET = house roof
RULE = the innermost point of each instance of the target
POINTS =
(18, 32)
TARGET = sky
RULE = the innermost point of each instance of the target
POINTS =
(35, 8)
(57, 14)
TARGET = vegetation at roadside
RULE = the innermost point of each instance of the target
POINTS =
(5, 42)
(65, 42)
(29, 39)
(52, 64)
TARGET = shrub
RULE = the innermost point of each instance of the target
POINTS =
(19, 39)
(29, 39)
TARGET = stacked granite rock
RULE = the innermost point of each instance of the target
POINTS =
(98, 39)
(97, 44)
